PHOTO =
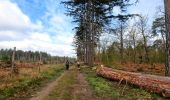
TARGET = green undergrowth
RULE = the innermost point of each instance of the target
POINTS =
(110, 90)
(32, 83)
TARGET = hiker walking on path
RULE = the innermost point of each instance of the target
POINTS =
(67, 65)
(78, 65)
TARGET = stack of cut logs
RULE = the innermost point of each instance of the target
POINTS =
(151, 83)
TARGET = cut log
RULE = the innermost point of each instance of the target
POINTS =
(151, 83)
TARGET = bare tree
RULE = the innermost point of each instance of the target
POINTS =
(121, 42)
(119, 32)
(167, 22)
(104, 42)
(142, 25)
(133, 36)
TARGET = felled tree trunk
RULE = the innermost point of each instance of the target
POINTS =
(151, 83)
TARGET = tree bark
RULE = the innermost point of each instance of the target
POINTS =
(163, 39)
(134, 50)
(40, 62)
(14, 68)
(142, 23)
(121, 42)
(167, 21)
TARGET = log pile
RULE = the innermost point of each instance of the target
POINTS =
(151, 83)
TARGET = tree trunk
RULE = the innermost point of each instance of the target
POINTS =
(14, 68)
(167, 21)
(40, 62)
(121, 43)
(13, 59)
(145, 46)
(163, 39)
(151, 83)
(134, 50)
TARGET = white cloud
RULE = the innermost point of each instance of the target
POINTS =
(56, 45)
(57, 20)
(40, 37)
(36, 45)
(64, 38)
(146, 8)
(17, 30)
(11, 35)
(12, 18)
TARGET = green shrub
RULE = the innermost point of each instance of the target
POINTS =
(5, 58)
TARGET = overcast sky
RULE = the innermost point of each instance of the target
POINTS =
(41, 25)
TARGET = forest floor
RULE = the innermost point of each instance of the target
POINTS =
(77, 85)
(86, 85)
(71, 86)
(154, 69)
(105, 89)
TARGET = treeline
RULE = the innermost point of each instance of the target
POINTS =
(106, 37)
(31, 56)
(92, 18)
(103, 35)
(136, 42)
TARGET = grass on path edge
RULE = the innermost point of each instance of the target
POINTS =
(106, 89)
(32, 83)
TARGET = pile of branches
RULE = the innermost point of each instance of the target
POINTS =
(151, 83)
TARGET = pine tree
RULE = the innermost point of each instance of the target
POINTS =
(158, 27)
(167, 23)
(91, 17)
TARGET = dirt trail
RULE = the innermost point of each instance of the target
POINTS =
(82, 90)
(71, 85)
(46, 90)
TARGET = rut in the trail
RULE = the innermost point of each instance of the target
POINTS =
(81, 89)
(46, 90)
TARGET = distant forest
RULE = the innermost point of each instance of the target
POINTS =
(31, 56)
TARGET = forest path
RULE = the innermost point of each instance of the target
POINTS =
(46, 90)
(71, 85)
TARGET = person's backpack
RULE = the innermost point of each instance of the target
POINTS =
(67, 62)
